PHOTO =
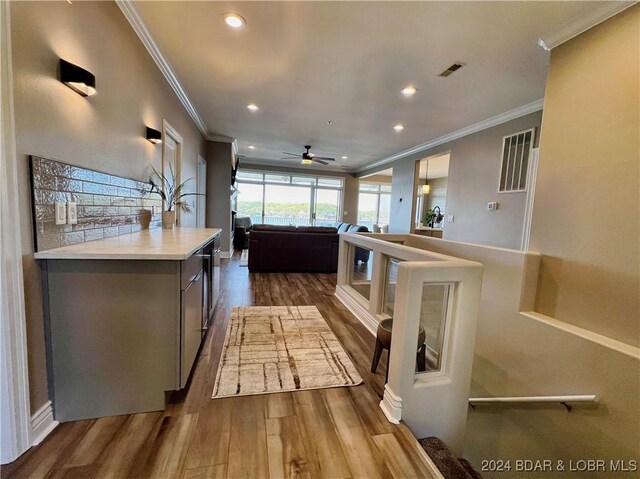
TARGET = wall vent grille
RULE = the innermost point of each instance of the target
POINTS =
(516, 151)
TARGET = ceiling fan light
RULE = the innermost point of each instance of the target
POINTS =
(306, 161)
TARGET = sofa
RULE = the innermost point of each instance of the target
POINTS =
(278, 248)
(360, 254)
(241, 230)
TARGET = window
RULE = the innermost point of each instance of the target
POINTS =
(516, 150)
(276, 198)
(374, 204)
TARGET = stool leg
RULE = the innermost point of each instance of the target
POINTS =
(421, 358)
(376, 356)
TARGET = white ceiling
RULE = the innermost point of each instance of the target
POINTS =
(305, 63)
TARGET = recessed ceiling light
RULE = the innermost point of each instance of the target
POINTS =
(251, 147)
(329, 122)
(398, 127)
(253, 107)
(409, 90)
(234, 20)
(344, 157)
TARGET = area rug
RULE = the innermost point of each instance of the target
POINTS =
(244, 258)
(271, 349)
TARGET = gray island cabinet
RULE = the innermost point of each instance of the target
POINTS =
(125, 318)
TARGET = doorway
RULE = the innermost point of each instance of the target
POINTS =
(201, 199)
(172, 157)
(430, 200)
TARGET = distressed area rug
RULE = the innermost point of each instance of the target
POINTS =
(271, 349)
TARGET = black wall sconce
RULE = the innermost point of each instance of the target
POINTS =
(154, 136)
(78, 79)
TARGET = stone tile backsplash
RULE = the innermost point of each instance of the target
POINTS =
(108, 205)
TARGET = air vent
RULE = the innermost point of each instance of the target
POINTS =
(451, 69)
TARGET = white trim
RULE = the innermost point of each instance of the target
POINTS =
(476, 127)
(42, 423)
(227, 254)
(132, 14)
(583, 23)
(15, 416)
(391, 405)
(361, 313)
(588, 398)
(221, 138)
(532, 176)
(599, 339)
(200, 161)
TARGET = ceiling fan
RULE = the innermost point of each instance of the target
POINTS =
(308, 158)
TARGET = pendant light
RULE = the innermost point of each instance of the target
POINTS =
(426, 188)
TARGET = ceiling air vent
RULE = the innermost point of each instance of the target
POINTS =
(451, 69)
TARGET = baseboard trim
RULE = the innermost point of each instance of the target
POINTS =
(227, 254)
(42, 423)
(391, 405)
(360, 312)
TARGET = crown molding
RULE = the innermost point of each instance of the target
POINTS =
(583, 23)
(132, 14)
(476, 127)
(280, 164)
(220, 138)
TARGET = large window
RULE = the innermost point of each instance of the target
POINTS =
(282, 199)
(374, 204)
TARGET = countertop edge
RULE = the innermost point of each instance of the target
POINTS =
(70, 255)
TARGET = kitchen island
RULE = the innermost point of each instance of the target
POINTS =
(125, 318)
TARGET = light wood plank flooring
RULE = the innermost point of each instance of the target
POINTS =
(329, 433)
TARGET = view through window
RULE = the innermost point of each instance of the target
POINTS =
(374, 204)
(281, 199)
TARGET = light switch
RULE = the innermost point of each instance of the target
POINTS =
(61, 213)
(450, 219)
(72, 213)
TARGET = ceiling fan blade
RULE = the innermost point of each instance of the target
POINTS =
(292, 154)
(288, 158)
(324, 158)
(319, 161)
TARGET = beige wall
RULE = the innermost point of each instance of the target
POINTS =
(104, 132)
(587, 205)
(474, 170)
(350, 198)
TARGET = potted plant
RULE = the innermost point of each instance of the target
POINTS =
(172, 195)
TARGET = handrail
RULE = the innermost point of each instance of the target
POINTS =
(564, 400)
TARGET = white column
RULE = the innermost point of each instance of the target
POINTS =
(15, 419)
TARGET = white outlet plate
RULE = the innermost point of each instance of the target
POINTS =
(450, 219)
(72, 213)
(492, 206)
(61, 212)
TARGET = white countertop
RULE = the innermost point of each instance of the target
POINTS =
(160, 244)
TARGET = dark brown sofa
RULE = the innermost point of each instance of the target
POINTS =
(293, 248)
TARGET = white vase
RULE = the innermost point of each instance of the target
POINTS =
(168, 220)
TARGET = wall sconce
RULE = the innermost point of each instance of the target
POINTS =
(78, 79)
(154, 136)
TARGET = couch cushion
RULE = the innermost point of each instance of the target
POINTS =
(357, 229)
(244, 221)
(343, 227)
(317, 229)
(274, 228)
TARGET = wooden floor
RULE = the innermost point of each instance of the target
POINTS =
(332, 433)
